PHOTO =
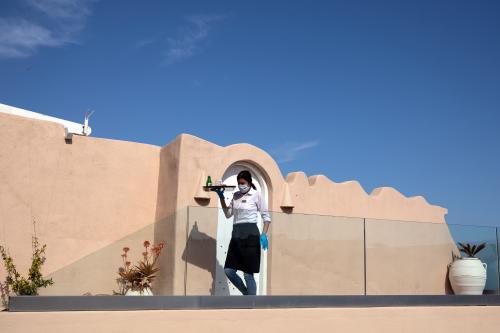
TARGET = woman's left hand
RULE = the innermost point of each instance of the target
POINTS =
(264, 242)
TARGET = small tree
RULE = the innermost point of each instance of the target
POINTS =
(19, 284)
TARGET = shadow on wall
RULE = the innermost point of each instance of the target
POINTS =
(447, 285)
(201, 252)
(197, 267)
(96, 273)
(164, 230)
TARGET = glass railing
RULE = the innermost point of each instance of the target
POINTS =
(327, 255)
(406, 257)
(308, 255)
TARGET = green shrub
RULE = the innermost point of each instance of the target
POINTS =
(21, 285)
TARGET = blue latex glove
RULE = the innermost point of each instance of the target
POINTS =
(264, 242)
(220, 192)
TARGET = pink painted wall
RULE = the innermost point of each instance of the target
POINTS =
(87, 197)
(94, 196)
(484, 319)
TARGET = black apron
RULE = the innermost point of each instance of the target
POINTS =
(244, 248)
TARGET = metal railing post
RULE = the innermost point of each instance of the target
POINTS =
(364, 253)
(498, 263)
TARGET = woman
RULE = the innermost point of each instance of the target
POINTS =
(244, 248)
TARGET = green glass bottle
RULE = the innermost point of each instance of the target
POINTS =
(209, 181)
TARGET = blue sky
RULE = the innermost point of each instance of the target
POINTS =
(389, 93)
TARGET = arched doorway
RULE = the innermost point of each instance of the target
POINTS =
(224, 228)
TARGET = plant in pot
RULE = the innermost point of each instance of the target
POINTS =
(137, 279)
(468, 275)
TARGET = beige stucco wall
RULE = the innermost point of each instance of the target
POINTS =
(384, 320)
(94, 196)
(89, 198)
(315, 195)
(316, 255)
(325, 255)
(407, 258)
(312, 195)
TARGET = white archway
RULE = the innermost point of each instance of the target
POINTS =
(224, 228)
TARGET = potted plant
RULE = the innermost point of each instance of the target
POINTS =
(468, 275)
(19, 284)
(137, 279)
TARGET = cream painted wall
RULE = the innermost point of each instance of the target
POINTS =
(312, 195)
(95, 195)
(87, 197)
(459, 319)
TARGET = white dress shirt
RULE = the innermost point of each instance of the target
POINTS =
(245, 207)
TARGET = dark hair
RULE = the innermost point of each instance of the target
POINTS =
(245, 174)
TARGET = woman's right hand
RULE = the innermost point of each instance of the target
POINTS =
(220, 192)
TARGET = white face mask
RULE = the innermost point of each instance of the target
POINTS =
(244, 188)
